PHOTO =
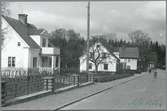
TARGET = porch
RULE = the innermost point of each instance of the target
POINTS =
(49, 63)
(49, 59)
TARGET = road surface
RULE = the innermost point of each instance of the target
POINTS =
(145, 92)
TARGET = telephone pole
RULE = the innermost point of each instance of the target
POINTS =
(88, 34)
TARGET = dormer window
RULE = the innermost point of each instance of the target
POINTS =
(91, 54)
(104, 55)
(43, 42)
(18, 43)
(98, 46)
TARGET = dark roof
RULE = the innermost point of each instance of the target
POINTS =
(24, 30)
(129, 52)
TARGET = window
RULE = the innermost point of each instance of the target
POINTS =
(91, 54)
(105, 66)
(34, 62)
(90, 65)
(128, 67)
(128, 60)
(11, 61)
(124, 65)
(97, 46)
(43, 42)
(104, 55)
(46, 61)
(57, 61)
(18, 44)
(50, 61)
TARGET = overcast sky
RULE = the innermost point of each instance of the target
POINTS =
(106, 17)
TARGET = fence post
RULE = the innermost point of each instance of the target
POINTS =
(78, 80)
(91, 76)
(73, 80)
(3, 96)
(49, 83)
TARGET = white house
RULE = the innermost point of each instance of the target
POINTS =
(128, 57)
(108, 62)
(26, 47)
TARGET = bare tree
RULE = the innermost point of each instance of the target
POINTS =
(139, 37)
(97, 56)
(142, 41)
(5, 11)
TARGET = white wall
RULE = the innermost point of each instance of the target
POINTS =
(10, 47)
(112, 64)
(24, 54)
(132, 63)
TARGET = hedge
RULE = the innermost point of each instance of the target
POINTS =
(110, 77)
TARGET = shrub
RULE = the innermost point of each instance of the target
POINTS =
(110, 77)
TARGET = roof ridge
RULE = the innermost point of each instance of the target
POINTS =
(22, 30)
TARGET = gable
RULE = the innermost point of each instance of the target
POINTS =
(10, 35)
(23, 31)
(103, 50)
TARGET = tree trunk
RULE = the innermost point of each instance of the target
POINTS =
(96, 69)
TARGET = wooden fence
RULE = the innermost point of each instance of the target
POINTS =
(23, 84)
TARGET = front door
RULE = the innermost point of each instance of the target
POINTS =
(34, 62)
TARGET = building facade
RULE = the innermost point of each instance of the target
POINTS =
(108, 61)
(27, 47)
(128, 58)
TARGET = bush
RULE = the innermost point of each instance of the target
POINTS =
(69, 70)
(110, 77)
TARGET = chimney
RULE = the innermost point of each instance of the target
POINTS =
(23, 18)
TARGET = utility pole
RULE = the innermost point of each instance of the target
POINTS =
(88, 34)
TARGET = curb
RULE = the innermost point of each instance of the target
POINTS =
(75, 101)
(74, 87)
(17, 101)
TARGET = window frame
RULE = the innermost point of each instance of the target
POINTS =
(90, 65)
(11, 61)
(43, 42)
(105, 68)
(104, 55)
(19, 44)
(91, 54)
(36, 62)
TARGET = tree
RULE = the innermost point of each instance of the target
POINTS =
(139, 37)
(71, 46)
(5, 11)
(142, 41)
(99, 38)
(97, 56)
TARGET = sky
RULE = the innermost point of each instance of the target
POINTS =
(106, 17)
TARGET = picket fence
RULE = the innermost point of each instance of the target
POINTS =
(20, 83)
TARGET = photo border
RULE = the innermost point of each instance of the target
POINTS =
(81, 1)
